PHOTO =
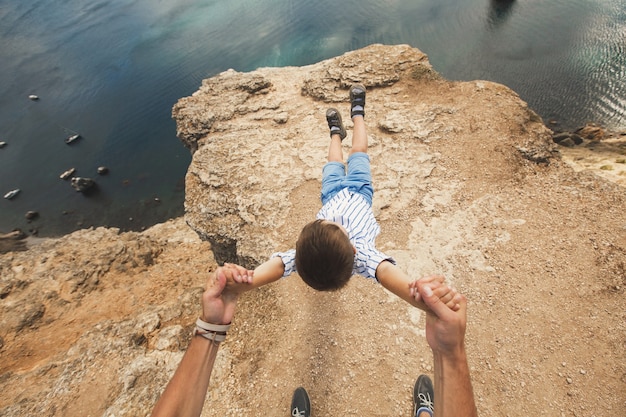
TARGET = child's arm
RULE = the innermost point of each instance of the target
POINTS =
(244, 280)
(268, 272)
(392, 278)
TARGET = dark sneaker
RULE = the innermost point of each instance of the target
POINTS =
(357, 100)
(334, 123)
(300, 404)
(423, 396)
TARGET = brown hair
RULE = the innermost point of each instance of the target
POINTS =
(324, 256)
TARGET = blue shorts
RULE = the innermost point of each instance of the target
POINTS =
(358, 179)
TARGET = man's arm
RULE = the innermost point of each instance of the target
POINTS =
(185, 393)
(445, 333)
(395, 280)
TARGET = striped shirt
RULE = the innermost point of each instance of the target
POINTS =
(353, 212)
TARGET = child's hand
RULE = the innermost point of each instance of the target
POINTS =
(238, 278)
(448, 295)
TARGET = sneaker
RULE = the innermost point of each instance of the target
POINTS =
(357, 100)
(334, 123)
(300, 404)
(423, 396)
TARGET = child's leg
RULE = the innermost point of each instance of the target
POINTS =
(357, 112)
(335, 154)
(337, 134)
(334, 171)
(359, 135)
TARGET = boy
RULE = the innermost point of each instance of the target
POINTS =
(341, 241)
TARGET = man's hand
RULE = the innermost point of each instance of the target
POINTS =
(445, 327)
(445, 333)
(446, 294)
(239, 279)
(218, 302)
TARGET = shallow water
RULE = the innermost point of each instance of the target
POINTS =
(112, 70)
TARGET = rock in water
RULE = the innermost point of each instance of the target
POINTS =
(12, 194)
(82, 184)
(66, 174)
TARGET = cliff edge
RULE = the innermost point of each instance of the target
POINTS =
(468, 183)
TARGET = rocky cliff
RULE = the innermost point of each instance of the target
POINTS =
(468, 183)
(259, 138)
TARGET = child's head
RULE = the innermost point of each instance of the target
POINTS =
(324, 255)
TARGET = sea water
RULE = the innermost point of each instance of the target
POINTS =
(111, 70)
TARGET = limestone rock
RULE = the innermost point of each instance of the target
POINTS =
(12, 241)
(591, 132)
(242, 188)
(170, 338)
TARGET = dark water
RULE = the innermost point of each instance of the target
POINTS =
(112, 69)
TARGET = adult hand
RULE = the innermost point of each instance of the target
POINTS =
(445, 333)
(239, 279)
(240, 274)
(218, 303)
(437, 283)
(445, 327)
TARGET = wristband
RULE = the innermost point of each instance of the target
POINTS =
(210, 331)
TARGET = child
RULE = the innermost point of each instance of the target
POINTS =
(341, 241)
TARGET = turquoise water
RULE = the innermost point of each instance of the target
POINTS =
(112, 70)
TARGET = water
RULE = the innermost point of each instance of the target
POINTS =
(112, 69)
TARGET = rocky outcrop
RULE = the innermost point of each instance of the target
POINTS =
(13, 241)
(88, 322)
(258, 137)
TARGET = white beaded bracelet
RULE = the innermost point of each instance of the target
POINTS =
(210, 331)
